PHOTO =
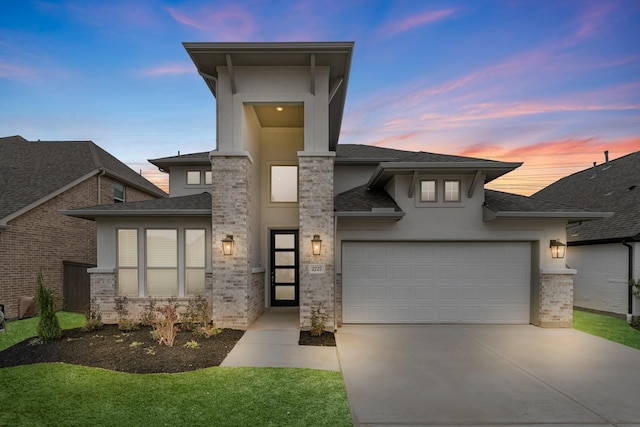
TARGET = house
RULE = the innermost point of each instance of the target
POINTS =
(37, 180)
(293, 219)
(606, 252)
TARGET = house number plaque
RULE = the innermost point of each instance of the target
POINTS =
(316, 269)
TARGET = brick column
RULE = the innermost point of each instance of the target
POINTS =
(230, 212)
(316, 217)
(556, 301)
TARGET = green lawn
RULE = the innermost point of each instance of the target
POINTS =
(57, 394)
(611, 328)
(20, 330)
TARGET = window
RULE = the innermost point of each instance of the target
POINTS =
(428, 191)
(118, 192)
(162, 263)
(284, 184)
(128, 262)
(451, 190)
(193, 177)
(194, 247)
(207, 177)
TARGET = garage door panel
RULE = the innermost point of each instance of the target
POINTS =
(429, 282)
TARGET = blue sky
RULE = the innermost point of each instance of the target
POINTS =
(550, 83)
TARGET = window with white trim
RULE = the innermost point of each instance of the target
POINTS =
(161, 278)
(127, 262)
(452, 190)
(284, 184)
(195, 261)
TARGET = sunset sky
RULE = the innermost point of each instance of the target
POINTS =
(549, 83)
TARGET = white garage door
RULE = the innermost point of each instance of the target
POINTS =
(436, 282)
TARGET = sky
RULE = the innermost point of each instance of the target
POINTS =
(552, 84)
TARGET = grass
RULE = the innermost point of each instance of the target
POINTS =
(610, 328)
(20, 330)
(52, 394)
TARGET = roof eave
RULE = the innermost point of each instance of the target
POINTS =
(490, 215)
(371, 215)
(97, 213)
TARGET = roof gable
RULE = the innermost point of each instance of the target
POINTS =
(33, 170)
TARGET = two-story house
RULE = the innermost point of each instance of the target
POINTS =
(281, 215)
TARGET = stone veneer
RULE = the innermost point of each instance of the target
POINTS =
(104, 289)
(315, 204)
(556, 301)
(231, 209)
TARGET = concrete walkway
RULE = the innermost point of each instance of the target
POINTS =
(439, 375)
(272, 341)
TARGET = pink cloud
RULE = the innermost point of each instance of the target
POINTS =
(230, 22)
(17, 72)
(413, 21)
(168, 69)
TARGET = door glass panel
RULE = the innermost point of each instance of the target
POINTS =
(285, 275)
(285, 293)
(285, 258)
(285, 241)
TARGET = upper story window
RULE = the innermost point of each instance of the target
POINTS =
(284, 184)
(118, 192)
(193, 177)
(207, 177)
(428, 191)
(452, 190)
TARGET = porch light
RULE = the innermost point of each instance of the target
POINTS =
(227, 245)
(316, 244)
(557, 248)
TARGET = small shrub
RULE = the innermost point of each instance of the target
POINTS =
(318, 320)
(136, 344)
(207, 331)
(196, 315)
(125, 323)
(48, 325)
(148, 316)
(165, 324)
(635, 287)
(192, 344)
(93, 317)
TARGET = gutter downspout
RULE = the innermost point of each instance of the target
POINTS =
(335, 275)
(630, 277)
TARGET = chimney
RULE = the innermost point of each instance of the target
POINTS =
(606, 156)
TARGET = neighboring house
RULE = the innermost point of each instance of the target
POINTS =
(374, 235)
(37, 180)
(605, 252)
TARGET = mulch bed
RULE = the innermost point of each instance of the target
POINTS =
(326, 339)
(133, 352)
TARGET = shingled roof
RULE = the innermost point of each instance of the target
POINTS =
(192, 205)
(30, 171)
(190, 159)
(613, 186)
(360, 200)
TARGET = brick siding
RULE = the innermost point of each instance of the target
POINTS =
(556, 301)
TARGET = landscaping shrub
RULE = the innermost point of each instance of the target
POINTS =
(148, 316)
(318, 320)
(165, 326)
(48, 325)
(196, 318)
(93, 317)
(125, 323)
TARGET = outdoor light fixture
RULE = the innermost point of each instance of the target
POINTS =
(557, 248)
(279, 108)
(227, 245)
(316, 244)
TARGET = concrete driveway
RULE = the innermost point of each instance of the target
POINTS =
(487, 375)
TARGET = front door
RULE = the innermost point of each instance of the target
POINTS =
(285, 273)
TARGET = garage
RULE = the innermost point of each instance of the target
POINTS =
(436, 282)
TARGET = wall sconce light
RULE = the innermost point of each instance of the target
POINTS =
(227, 245)
(316, 244)
(557, 248)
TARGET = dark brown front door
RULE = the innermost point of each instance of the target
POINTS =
(285, 273)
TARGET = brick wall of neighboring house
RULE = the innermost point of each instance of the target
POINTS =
(42, 238)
